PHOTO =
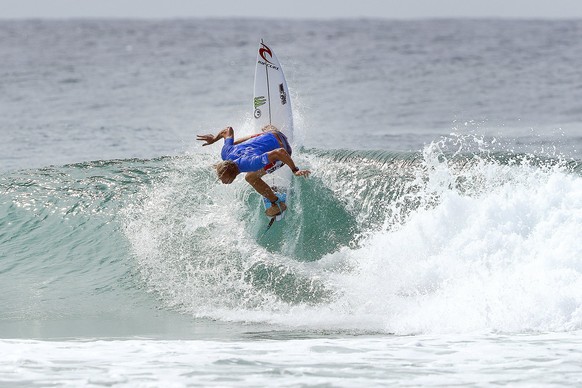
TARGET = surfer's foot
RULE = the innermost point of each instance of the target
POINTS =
(276, 208)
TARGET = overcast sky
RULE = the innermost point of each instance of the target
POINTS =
(290, 9)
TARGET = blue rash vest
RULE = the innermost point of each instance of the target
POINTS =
(250, 155)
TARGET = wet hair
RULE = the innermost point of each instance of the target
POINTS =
(226, 167)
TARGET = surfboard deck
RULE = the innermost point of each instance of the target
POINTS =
(272, 105)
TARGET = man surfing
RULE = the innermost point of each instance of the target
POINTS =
(256, 155)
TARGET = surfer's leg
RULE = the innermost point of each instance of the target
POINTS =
(255, 179)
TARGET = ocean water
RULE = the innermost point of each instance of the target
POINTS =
(436, 243)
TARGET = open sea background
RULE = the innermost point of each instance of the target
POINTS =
(436, 243)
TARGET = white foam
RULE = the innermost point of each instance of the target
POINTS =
(504, 255)
(491, 246)
(359, 361)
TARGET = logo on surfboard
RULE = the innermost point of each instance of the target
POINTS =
(263, 53)
(265, 50)
(261, 100)
(282, 94)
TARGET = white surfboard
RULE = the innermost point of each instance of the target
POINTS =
(272, 105)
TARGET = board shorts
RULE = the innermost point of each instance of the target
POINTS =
(284, 143)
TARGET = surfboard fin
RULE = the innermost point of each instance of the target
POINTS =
(268, 227)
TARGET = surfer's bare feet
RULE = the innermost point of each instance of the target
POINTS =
(276, 209)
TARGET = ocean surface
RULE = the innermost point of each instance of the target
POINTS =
(436, 243)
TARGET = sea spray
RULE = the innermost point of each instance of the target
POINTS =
(490, 246)
(438, 241)
(194, 248)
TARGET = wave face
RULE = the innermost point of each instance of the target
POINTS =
(435, 241)
(63, 255)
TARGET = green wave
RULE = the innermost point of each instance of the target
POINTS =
(86, 238)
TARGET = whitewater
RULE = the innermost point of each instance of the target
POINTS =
(461, 252)
(418, 253)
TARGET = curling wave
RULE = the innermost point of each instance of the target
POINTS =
(432, 241)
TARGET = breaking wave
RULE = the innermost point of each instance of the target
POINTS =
(444, 240)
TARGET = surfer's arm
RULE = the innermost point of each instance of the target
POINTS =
(226, 133)
(243, 139)
(282, 155)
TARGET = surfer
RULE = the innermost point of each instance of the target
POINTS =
(256, 155)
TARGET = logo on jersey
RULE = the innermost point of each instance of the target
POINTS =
(265, 50)
(261, 100)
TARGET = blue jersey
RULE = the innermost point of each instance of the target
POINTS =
(250, 155)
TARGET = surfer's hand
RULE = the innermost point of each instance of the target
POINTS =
(209, 139)
(304, 173)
